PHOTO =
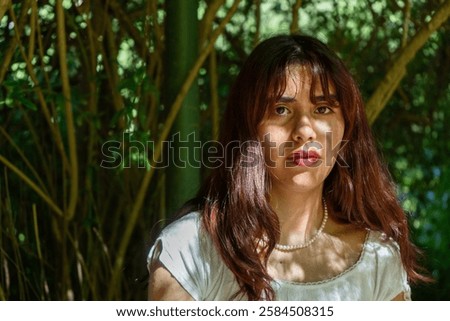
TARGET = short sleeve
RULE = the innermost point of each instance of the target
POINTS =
(391, 278)
(178, 249)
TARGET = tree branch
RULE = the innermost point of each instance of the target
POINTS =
(294, 28)
(33, 24)
(214, 94)
(257, 21)
(208, 18)
(18, 28)
(387, 86)
(4, 6)
(406, 20)
(155, 66)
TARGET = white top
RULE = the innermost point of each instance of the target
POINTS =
(189, 255)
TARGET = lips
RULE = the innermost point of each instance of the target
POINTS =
(307, 158)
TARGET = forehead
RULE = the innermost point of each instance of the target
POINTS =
(300, 79)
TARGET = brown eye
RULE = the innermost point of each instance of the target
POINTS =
(281, 110)
(323, 110)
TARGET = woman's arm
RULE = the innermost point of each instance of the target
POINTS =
(163, 286)
(399, 297)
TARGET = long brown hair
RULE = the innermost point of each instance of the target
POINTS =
(234, 199)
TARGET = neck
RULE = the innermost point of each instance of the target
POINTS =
(300, 214)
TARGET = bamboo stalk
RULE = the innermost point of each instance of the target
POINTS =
(31, 184)
(70, 207)
(36, 233)
(93, 109)
(72, 142)
(20, 282)
(2, 236)
(134, 215)
(38, 248)
(5, 221)
(90, 55)
(2, 294)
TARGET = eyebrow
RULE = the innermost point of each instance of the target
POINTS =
(323, 98)
(288, 99)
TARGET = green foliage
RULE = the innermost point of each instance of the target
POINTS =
(115, 59)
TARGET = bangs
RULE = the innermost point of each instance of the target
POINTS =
(266, 79)
(322, 78)
(319, 77)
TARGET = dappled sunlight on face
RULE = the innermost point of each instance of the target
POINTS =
(301, 138)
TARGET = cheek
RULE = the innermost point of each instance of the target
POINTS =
(273, 140)
(338, 132)
(272, 135)
(336, 141)
(333, 142)
(331, 135)
(336, 127)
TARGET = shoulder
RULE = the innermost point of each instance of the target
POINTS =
(185, 226)
(176, 260)
(383, 252)
(185, 253)
(383, 246)
(383, 255)
(180, 238)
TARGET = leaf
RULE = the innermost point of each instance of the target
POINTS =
(27, 103)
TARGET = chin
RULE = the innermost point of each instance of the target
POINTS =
(298, 184)
(305, 187)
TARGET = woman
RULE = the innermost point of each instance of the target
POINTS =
(303, 209)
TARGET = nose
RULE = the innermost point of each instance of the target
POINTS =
(304, 130)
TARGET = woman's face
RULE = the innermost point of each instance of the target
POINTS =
(301, 139)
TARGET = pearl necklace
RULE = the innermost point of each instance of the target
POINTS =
(288, 248)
